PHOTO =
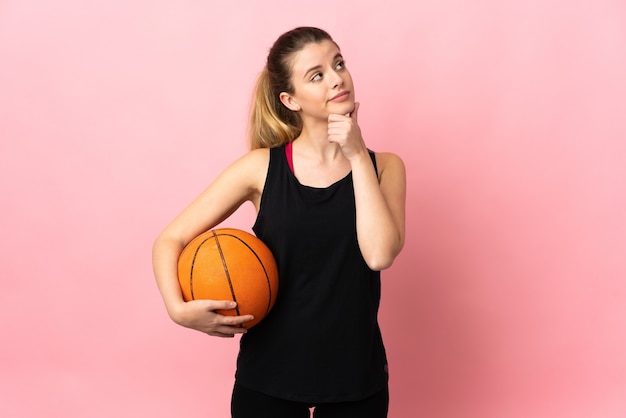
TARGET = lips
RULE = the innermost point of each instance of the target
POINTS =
(340, 97)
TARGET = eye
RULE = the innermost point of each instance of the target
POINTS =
(316, 77)
(340, 65)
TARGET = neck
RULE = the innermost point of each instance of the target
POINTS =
(313, 141)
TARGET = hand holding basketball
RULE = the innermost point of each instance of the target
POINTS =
(201, 316)
(233, 277)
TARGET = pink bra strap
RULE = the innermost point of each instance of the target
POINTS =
(289, 155)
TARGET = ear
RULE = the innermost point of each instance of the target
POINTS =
(289, 102)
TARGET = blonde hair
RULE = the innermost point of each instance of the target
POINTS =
(272, 124)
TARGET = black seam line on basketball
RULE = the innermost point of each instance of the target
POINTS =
(230, 283)
(267, 277)
(193, 262)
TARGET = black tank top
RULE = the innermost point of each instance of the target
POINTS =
(321, 342)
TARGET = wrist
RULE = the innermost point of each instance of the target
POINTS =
(360, 156)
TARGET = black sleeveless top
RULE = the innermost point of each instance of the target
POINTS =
(321, 342)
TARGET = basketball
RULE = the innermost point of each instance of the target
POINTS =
(230, 264)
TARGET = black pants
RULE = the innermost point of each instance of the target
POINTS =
(248, 403)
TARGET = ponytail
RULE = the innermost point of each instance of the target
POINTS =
(271, 123)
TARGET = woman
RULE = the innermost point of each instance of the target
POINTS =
(332, 212)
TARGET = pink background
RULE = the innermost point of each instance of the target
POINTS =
(509, 299)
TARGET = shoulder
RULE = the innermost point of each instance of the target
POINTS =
(253, 165)
(390, 163)
(248, 171)
(256, 157)
(252, 161)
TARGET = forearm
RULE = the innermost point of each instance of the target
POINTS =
(164, 263)
(199, 315)
(379, 234)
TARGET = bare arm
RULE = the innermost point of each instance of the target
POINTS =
(240, 182)
(380, 201)
(380, 208)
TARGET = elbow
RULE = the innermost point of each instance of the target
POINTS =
(383, 255)
(379, 265)
(381, 260)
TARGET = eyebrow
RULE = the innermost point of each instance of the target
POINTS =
(317, 67)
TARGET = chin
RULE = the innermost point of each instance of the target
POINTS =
(342, 108)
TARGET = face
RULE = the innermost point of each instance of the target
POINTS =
(322, 83)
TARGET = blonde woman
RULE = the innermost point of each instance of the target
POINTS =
(333, 214)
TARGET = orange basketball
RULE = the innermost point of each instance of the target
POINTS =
(230, 264)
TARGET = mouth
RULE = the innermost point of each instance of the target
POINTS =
(340, 97)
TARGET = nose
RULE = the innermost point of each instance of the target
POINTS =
(335, 79)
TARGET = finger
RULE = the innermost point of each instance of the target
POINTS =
(227, 330)
(234, 320)
(213, 305)
(335, 130)
(232, 329)
(220, 334)
(333, 117)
